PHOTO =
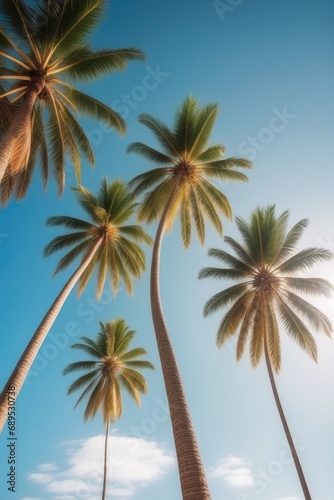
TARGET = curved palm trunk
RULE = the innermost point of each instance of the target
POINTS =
(22, 368)
(20, 121)
(104, 491)
(293, 450)
(192, 476)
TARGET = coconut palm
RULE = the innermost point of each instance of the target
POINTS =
(268, 293)
(182, 185)
(43, 49)
(107, 244)
(111, 368)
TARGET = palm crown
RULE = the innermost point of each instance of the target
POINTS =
(188, 162)
(268, 291)
(43, 49)
(112, 368)
(118, 254)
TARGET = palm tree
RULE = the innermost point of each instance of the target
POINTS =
(43, 48)
(113, 368)
(106, 244)
(268, 293)
(182, 185)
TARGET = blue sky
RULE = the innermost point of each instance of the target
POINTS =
(269, 66)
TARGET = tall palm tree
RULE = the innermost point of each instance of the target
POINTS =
(113, 368)
(268, 293)
(182, 186)
(107, 244)
(43, 49)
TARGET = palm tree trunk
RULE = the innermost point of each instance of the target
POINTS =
(104, 491)
(192, 475)
(293, 450)
(20, 120)
(22, 368)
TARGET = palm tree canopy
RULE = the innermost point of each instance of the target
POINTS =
(45, 44)
(111, 367)
(118, 255)
(268, 289)
(188, 160)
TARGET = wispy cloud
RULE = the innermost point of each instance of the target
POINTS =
(289, 498)
(234, 470)
(133, 463)
(30, 498)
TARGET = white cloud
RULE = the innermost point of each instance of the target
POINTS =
(30, 498)
(65, 497)
(234, 471)
(289, 498)
(133, 463)
(40, 477)
(47, 467)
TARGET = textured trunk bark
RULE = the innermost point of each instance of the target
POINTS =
(192, 475)
(19, 121)
(293, 450)
(104, 491)
(22, 368)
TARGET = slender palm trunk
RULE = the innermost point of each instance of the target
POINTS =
(22, 368)
(192, 475)
(104, 491)
(20, 120)
(293, 450)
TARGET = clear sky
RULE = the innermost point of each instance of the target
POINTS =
(270, 67)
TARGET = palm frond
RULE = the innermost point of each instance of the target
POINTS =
(69, 222)
(87, 65)
(247, 324)
(197, 214)
(310, 286)
(93, 108)
(273, 338)
(314, 316)
(242, 252)
(290, 241)
(221, 273)
(60, 242)
(219, 199)
(185, 221)
(232, 261)
(304, 260)
(185, 118)
(257, 335)
(222, 298)
(297, 329)
(162, 133)
(233, 318)
(210, 154)
(79, 365)
(136, 233)
(155, 201)
(150, 154)
(209, 208)
(71, 26)
(203, 127)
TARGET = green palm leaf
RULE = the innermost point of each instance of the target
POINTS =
(87, 65)
(223, 298)
(304, 260)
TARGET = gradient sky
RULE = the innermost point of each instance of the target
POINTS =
(270, 67)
